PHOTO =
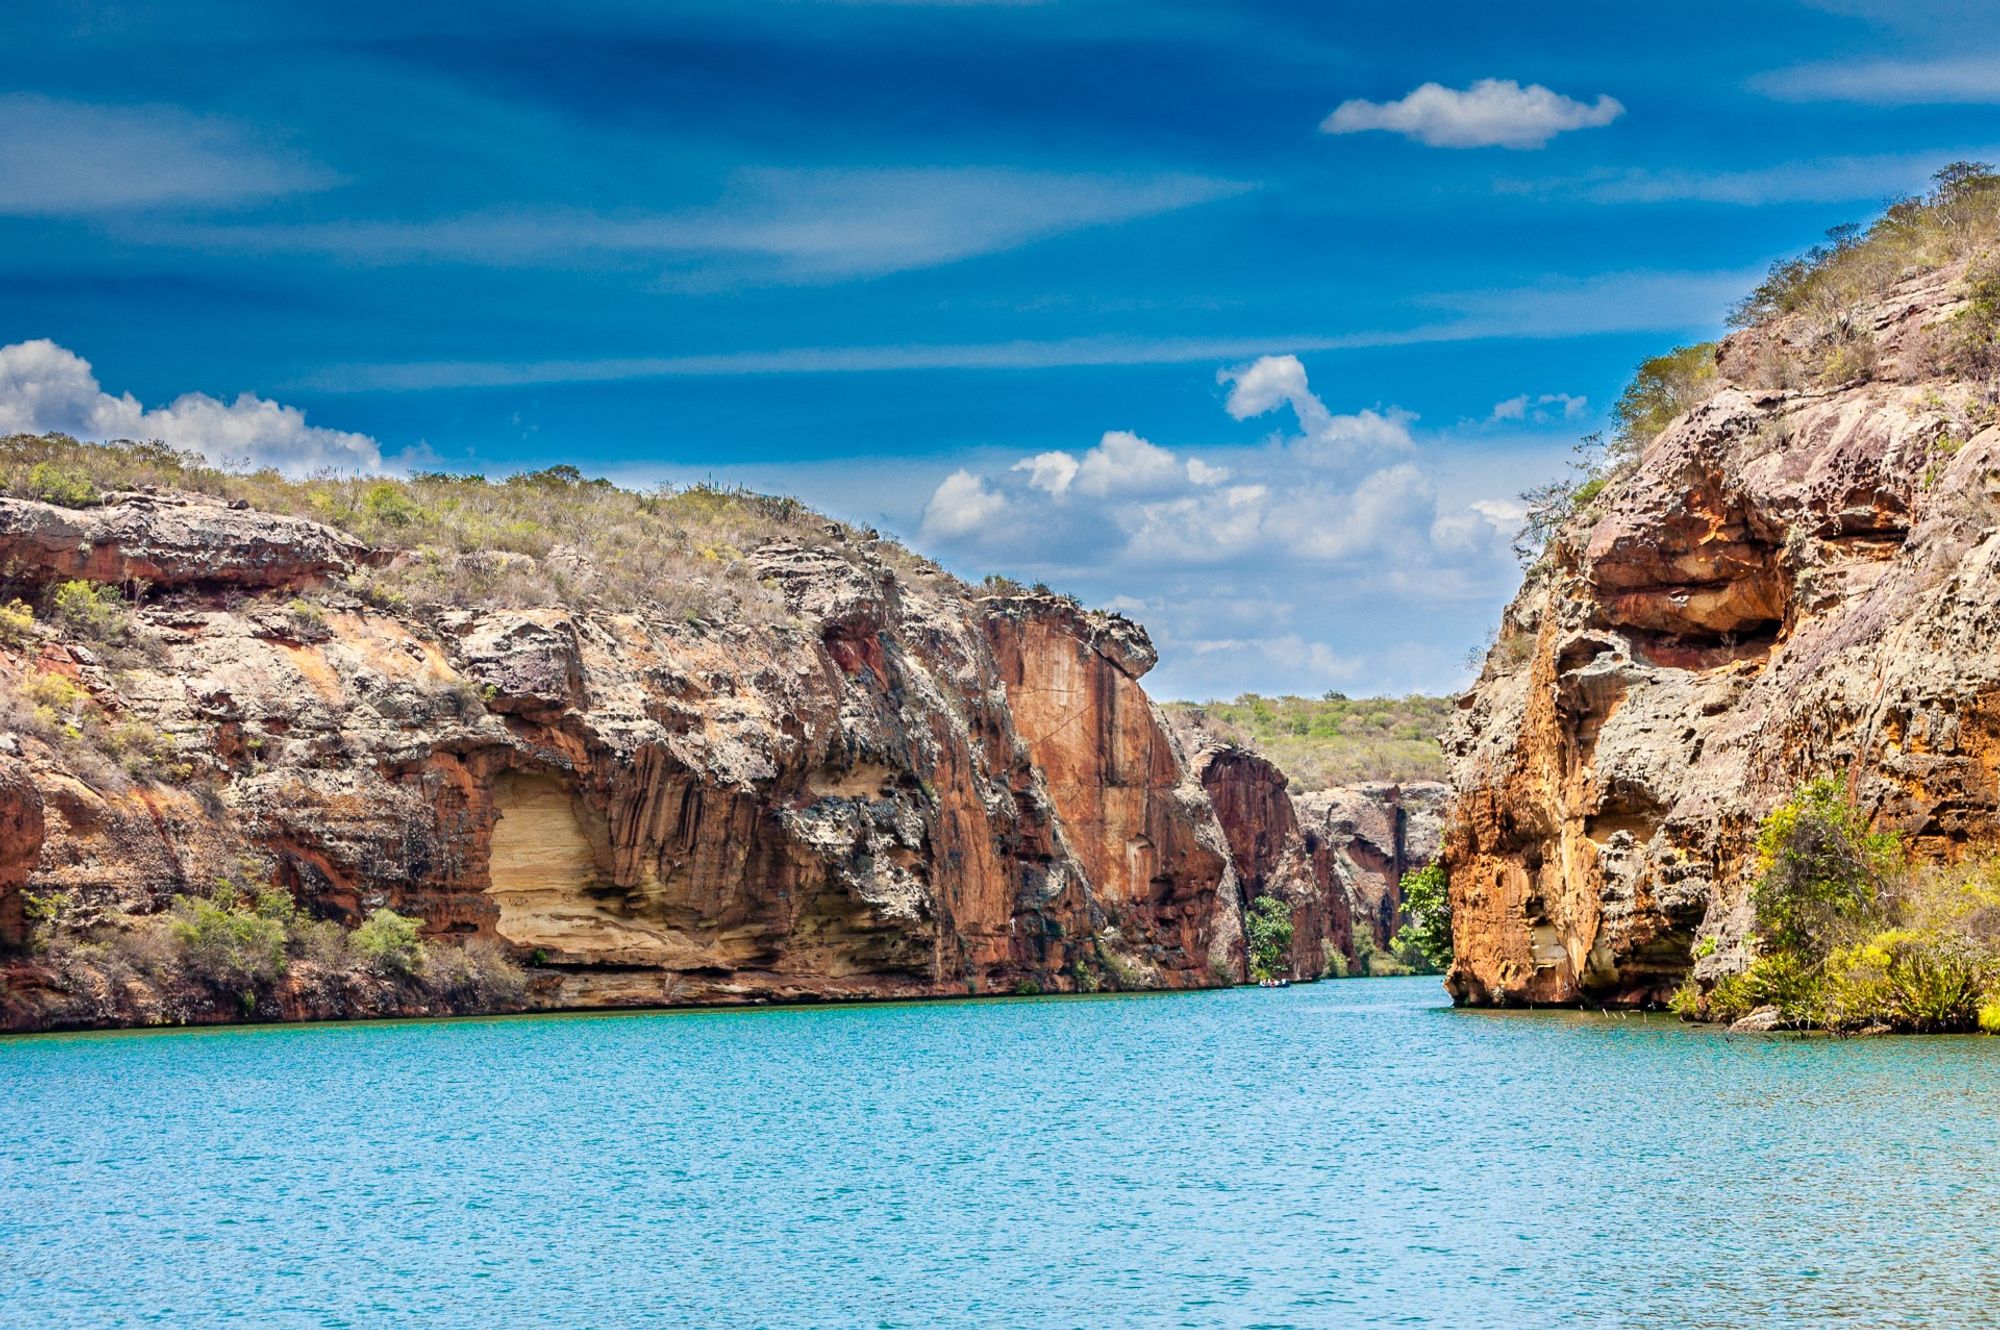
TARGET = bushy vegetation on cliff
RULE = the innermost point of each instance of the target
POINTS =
(553, 536)
(1851, 934)
(1331, 740)
(1424, 942)
(1809, 332)
(1268, 931)
(253, 952)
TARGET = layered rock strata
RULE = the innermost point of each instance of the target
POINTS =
(900, 789)
(1790, 583)
(1336, 856)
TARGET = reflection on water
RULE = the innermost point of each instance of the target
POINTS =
(1337, 1154)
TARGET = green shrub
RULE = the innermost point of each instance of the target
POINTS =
(59, 485)
(389, 503)
(1732, 998)
(389, 944)
(1972, 342)
(1267, 927)
(1819, 871)
(1661, 389)
(1333, 961)
(1850, 935)
(1848, 359)
(1935, 984)
(17, 623)
(323, 942)
(1425, 941)
(226, 945)
(1959, 216)
(60, 706)
(1384, 965)
(475, 977)
(91, 610)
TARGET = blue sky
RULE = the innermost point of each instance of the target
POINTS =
(1215, 313)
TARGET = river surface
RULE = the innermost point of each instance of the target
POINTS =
(1351, 1153)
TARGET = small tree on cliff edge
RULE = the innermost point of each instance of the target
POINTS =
(1427, 937)
(1268, 926)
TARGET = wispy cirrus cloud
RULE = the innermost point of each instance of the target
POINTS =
(1669, 302)
(1866, 177)
(64, 158)
(774, 224)
(1539, 408)
(1492, 113)
(1965, 78)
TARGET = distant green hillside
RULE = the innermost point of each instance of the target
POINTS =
(1332, 740)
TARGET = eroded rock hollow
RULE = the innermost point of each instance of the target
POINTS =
(891, 787)
(1790, 583)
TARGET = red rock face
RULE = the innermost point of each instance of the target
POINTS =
(1369, 836)
(20, 847)
(1790, 584)
(896, 791)
(1274, 857)
(1135, 823)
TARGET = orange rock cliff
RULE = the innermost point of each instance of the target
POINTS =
(1793, 580)
(895, 788)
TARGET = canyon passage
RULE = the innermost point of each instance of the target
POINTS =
(1140, 1160)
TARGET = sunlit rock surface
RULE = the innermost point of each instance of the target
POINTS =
(1790, 584)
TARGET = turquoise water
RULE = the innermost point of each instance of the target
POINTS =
(1328, 1155)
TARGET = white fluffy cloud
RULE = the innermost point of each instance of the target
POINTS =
(1492, 113)
(46, 388)
(1343, 501)
(1121, 463)
(1124, 463)
(1325, 438)
(1540, 409)
(964, 505)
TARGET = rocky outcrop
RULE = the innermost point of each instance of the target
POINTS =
(1275, 857)
(1131, 815)
(169, 540)
(21, 834)
(891, 788)
(1371, 835)
(1335, 856)
(1790, 583)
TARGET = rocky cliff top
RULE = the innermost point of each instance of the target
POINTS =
(1796, 577)
(575, 747)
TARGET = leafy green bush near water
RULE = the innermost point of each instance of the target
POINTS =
(1851, 934)
(1424, 943)
(1267, 927)
(239, 946)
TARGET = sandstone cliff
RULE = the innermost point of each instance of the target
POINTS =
(1335, 856)
(892, 786)
(1798, 577)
